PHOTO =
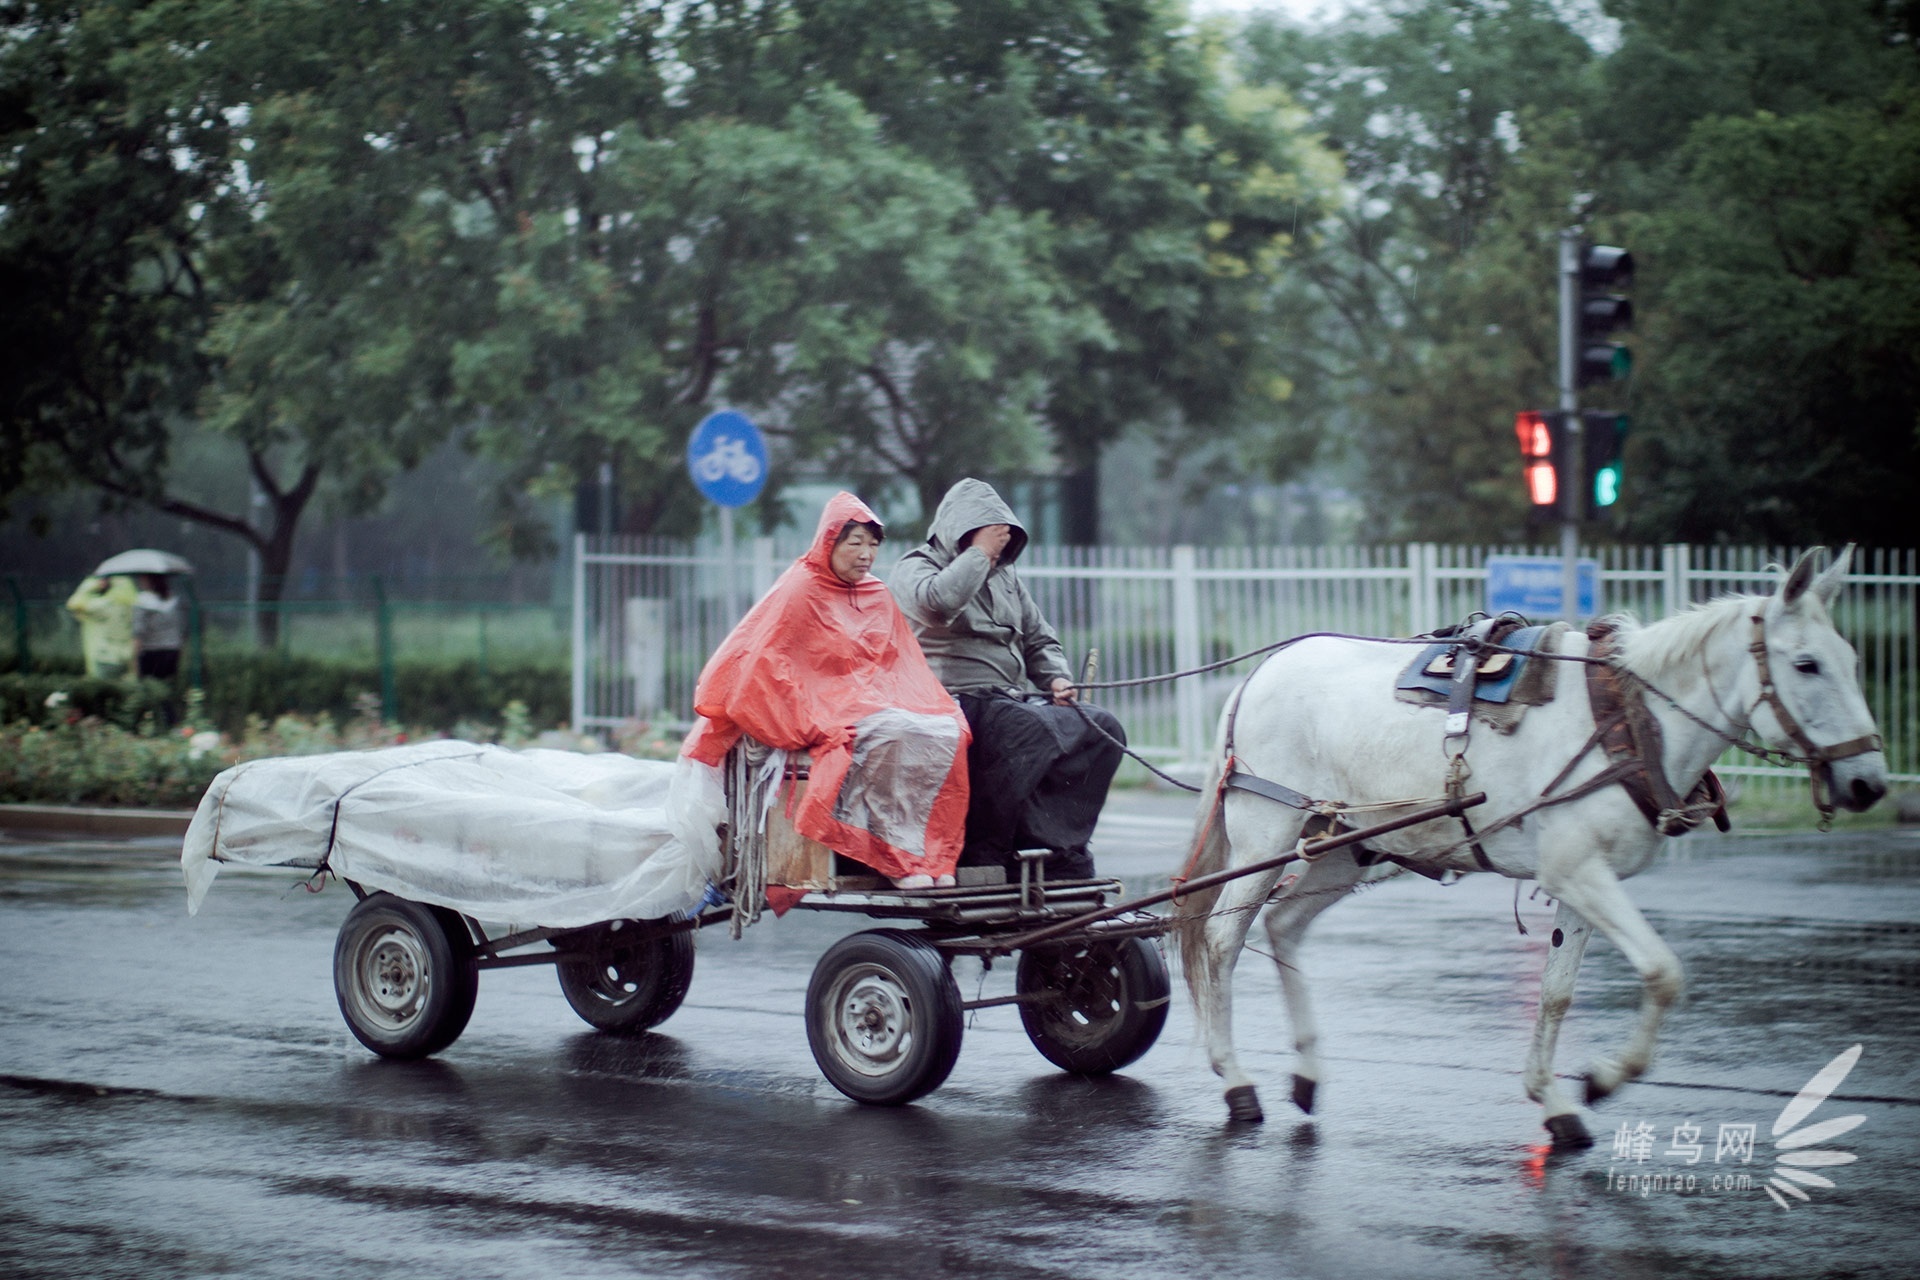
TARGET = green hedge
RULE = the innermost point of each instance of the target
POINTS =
(434, 695)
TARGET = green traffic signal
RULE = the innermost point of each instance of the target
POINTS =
(1606, 442)
(1606, 485)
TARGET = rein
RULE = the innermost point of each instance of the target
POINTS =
(1682, 814)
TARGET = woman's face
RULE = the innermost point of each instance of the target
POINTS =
(853, 554)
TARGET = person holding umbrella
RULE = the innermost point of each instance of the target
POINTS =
(158, 628)
(125, 631)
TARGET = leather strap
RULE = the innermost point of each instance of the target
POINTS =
(1631, 738)
(1240, 780)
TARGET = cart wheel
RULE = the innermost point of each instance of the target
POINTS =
(1106, 1002)
(883, 1017)
(404, 974)
(631, 983)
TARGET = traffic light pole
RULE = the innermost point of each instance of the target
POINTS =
(1572, 462)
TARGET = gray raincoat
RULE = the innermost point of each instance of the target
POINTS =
(976, 623)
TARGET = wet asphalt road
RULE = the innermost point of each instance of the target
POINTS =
(180, 1098)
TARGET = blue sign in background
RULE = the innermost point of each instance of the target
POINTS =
(1530, 585)
(727, 458)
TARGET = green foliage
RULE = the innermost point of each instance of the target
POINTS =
(267, 685)
(921, 240)
(1782, 393)
(66, 758)
(1759, 158)
(1173, 193)
(58, 697)
(96, 763)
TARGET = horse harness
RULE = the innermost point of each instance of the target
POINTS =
(1623, 728)
(1810, 755)
(1630, 737)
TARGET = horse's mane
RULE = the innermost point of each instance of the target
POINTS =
(1658, 646)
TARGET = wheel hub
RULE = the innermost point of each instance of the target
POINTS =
(875, 1021)
(394, 968)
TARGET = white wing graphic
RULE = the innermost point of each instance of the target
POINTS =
(1790, 1161)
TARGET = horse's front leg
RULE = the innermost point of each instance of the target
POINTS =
(1226, 934)
(1592, 890)
(1568, 944)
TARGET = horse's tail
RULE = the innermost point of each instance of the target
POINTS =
(1191, 911)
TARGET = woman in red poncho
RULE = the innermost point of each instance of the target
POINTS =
(827, 664)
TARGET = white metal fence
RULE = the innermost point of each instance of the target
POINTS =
(647, 612)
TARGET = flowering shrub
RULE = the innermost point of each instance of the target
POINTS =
(65, 757)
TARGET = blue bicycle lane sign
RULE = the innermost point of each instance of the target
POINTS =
(727, 458)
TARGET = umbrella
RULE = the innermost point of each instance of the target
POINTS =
(142, 561)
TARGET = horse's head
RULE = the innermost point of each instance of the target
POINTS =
(1817, 710)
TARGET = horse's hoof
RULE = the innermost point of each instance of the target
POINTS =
(1243, 1105)
(1303, 1093)
(1569, 1132)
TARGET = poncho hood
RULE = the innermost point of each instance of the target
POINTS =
(971, 504)
(841, 510)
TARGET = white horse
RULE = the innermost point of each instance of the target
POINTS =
(1321, 718)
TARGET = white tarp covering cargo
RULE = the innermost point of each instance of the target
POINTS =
(539, 838)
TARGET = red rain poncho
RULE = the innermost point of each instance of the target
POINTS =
(833, 669)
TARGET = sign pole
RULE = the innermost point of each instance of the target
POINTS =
(728, 579)
(1573, 453)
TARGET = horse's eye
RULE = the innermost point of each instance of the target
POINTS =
(1806, 666)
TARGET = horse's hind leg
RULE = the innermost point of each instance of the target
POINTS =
(1569, 942)
(1322, 885)
(1592, 891)
(1226, 933)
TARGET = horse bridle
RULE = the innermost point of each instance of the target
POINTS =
(1810, 755)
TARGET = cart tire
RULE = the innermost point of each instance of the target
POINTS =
(883, 1017)
(405, 976)
(1105, 1005)
(629, 985)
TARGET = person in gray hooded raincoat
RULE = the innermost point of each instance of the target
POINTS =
(1039, 767)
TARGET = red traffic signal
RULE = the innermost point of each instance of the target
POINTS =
(1539, 437)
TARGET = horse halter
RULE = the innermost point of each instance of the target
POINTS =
(1810, 755)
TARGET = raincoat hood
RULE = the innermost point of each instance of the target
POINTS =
(969, 505)
(841, 510)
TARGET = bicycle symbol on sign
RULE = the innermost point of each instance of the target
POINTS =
(727, 459)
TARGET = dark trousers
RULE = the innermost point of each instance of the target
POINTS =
(159, 664)
(1038, 775)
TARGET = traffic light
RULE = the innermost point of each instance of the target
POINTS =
(1603, 311)
(1539, 435)
(1606, 440)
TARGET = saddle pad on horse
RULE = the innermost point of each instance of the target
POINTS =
(1508, 683)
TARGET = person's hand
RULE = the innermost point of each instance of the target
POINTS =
(1063, 691)
(992, 539)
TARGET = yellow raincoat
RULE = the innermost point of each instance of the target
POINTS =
(105, 610)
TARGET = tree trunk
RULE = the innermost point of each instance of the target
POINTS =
(276, 545)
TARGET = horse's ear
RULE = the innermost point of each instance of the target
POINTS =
(1827, 585)
(1799, 578)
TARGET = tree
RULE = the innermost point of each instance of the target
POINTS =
(212, 227)
(342, 243)
(1420, 311)
(1173, 193)
(1783, 350)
